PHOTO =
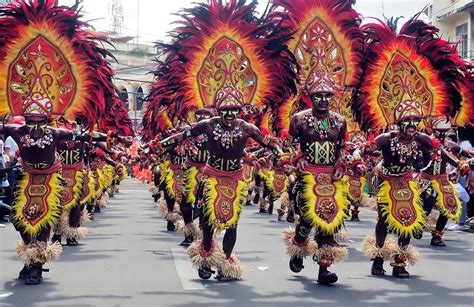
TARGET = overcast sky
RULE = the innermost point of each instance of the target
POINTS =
(155, 17)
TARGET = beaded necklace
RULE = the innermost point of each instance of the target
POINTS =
(42, 142)
(226, 137)
(404, 151)
(321, 126)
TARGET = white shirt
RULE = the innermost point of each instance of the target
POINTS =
(3, 163)
(10, 143)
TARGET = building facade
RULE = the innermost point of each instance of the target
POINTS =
(132, 66)
(454, 19)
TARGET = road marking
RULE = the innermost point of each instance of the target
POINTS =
(187, 275)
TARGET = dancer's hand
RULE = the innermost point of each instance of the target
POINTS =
(338, 173)
(301, 164)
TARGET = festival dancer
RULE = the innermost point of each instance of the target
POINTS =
(193, 180)
(172, 182)
(48, 65)
(226, 52)
(436, 188)
(394, 62)
(71, 153)
(327, 46)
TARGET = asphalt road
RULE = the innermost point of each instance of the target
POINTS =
(129, 259)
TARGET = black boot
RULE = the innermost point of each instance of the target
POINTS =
(256, 198)
(270, 208)
(56, 238)
(355, 216)
(436, 241)
(156, 197)
(248, 203)
(418, 235)
(35, 274)
(205, 273)
(399, 271)
(377, 267)
(262, 210)
(71, 242)
(187, 241)
(97, 209)
(290, 217)
(90, 211)
(221, 277)
(170, 226)
(24, 272)
(296, 264)
(325, 277)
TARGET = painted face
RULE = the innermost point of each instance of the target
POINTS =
(36, 126)
(409, 125)
(229, 115)
(321, 102)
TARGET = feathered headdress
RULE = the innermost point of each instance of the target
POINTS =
(222, 54)
(117, 119)
(465, 115)
(51, 63)
(412, 73)
(328, 46)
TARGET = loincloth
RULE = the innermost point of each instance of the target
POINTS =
(224, 197)
(193, 177)
(447, 201)
(323, 202)
(356, 187)
(174, 182)
(73, 174)
(400, 203)
(88, 188)
(37, 199)
(276, 182)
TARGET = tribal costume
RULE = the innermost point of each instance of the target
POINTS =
(193, 183)
(50, 65)
(436, 188)
(226, 58)
(414, 56)
(328, 47)
(71, 154)
(172, 182)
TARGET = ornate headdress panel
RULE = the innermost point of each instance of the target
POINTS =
(412, 73)
(222, 53)
(50, 64)
(328, 46)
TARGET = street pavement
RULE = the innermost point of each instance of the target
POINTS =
(129, 259)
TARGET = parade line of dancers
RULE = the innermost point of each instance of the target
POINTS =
(302, 107)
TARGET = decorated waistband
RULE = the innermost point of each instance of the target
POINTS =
(75, 166)
(402, 171)
(317, 169)
(424, 175)
(214, 172)
(408, 176)
(174, 166)
(42, 168)
(195, 163)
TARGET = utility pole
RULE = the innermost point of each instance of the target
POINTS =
(138, 18)
(116, 12)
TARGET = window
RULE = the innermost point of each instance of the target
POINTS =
(461, 38)
(139, 98)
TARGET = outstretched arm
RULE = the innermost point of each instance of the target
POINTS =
(194, 131)
(265, 141)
